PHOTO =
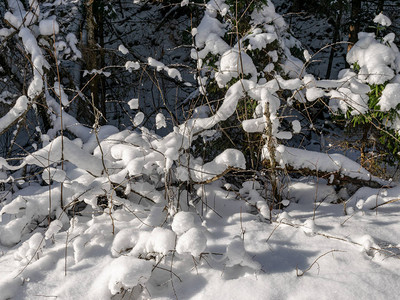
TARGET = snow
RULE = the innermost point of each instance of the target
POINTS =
(19, 108)
(232, 249)
(182, 222)
(314, 93)
(132, 65)
(382, 20)
(228, 158)
(133, 103)
(161, 241)
(173, 73)
(306, 55)
(123, 49)
(139, 117)
(48, 27)
(53, 174)
(390, 97)
(232, 65)
(72, 41)
(375, 69)
(37, 59)
(193, 241)
(237, 255)
(259, 40)
(127, 272)
(132, 214)
(62, 146)
(160, 121)
(304, 159)
(54, 228)
(296, 126)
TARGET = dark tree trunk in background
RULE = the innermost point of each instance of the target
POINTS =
(94, 59)
(354, 23)
(336, 38)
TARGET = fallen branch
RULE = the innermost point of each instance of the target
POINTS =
(339, 179)
(387, 202)
(336, 168)
(328, 236)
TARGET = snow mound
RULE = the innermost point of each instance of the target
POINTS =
(127, 272)
(182, 222)
(237, 255)
(193, 241)
(161, 240)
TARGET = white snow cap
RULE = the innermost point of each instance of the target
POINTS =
(183, 221)
(382, 20)
(307, 55)
(133, 103)
(193, 241)
(390, 96)
(139, 117)
(375, 59)
(132, 65)
(160, 121)
(48, 27)
(123, 49)
(232, 64)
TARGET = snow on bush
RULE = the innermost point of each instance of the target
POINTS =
(192, 241)
(137, 198)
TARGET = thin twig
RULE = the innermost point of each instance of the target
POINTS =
(315, 261)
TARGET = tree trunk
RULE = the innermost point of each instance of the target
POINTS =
(354, 23)
(336, 37)
(94, 59)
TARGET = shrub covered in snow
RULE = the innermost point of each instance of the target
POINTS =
(145, 201)
(369, 96)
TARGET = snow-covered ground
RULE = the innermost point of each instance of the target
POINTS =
(311, 250)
